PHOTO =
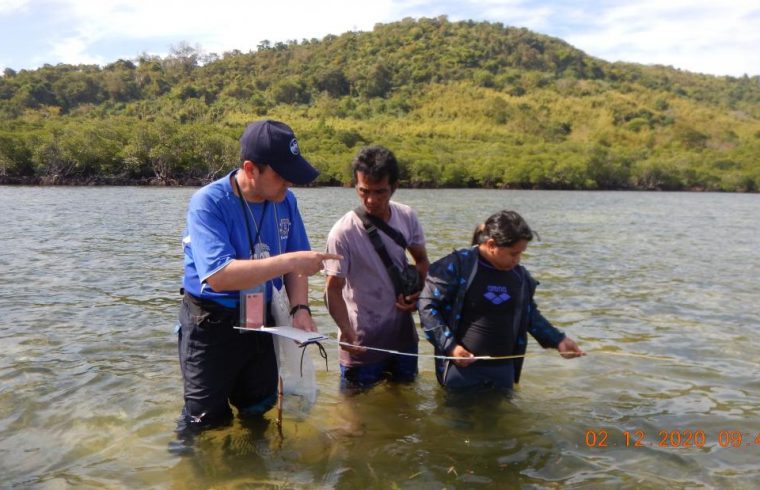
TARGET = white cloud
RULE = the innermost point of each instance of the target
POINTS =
(517, 13)
(10, 6)
(74, 50)
(297, 20)
(227, 25)
(696, 35)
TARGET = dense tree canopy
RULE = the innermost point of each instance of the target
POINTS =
(461, 104)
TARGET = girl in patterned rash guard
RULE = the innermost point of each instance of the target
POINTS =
(479, 302)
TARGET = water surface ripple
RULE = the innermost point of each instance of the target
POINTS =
(660, 288)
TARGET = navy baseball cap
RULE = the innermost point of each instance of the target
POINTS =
(274, 143)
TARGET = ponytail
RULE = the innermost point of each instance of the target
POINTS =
(479, 235)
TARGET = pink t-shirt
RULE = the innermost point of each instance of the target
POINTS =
(369, 293)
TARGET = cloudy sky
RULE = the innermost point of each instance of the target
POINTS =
(706, 36)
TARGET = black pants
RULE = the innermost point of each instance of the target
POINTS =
(222, 365)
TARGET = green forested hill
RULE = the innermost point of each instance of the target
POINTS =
(461, 104)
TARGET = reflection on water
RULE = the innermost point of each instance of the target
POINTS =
(659, 288)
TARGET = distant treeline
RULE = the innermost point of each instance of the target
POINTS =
(462, 104)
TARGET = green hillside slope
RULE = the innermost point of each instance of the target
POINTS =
(461, 104)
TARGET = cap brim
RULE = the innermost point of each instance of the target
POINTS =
(298, 171)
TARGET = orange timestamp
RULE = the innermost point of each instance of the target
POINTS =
(675, 438)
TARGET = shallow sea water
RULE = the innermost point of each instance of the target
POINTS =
(660, 289)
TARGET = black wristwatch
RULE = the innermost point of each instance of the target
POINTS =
(300, 307)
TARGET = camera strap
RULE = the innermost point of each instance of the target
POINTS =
(372, 224)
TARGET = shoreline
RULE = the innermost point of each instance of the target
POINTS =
(56, 181)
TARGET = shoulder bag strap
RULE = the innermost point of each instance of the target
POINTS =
(377, 242)
(382, 226)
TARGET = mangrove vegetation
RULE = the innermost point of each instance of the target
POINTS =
(463, 104)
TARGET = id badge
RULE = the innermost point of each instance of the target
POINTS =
(252, 306)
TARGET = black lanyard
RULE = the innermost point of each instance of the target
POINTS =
(243, 206)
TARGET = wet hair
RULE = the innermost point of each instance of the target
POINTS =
(506, 228)
(376, 162)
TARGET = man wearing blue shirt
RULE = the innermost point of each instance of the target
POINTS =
(244, 238)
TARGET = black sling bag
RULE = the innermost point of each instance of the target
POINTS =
(405, 281)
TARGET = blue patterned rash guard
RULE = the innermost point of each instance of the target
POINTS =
(442, 302)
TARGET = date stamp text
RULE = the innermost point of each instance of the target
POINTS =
(674, 438)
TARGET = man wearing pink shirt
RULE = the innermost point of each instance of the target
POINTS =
(363, 298)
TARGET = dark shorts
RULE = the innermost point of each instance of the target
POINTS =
(395, 368)
(222, 365)
(480, 374)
